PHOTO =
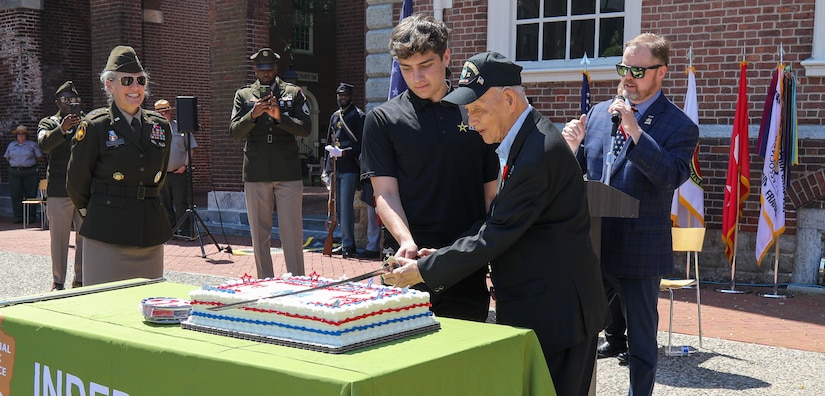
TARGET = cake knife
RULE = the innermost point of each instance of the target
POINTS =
(387, 267)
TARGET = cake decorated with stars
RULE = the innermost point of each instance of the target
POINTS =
(339, 318)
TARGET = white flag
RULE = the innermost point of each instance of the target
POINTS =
(688, 207)
(772, 194)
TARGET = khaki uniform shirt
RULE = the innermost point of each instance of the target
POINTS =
(116, 177)
(271, 153)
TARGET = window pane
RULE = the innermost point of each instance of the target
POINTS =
(527, 47)
(554, 8)
(527, 9)
(579, 7)
(611, 37)
(554, 41)
(582, 38)
(612, 6)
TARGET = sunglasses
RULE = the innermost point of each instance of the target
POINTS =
(69, 99)
(128, 80)
(635, 71)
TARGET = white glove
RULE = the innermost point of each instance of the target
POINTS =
(335, 152)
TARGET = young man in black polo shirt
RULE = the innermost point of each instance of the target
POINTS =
(433, 177)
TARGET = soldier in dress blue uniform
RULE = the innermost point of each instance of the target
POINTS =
(116, 170)
(269, 114)
(345, 128)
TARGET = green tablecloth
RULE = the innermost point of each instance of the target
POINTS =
(99, 341)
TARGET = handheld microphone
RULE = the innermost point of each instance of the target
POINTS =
(616, 116)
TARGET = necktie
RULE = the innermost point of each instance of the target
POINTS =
(621, 137)
(136, 127)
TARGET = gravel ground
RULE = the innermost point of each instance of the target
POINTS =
(720, 368)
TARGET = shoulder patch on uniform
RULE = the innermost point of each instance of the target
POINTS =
(81, 131)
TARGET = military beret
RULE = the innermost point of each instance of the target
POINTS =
(124, 59)
(344, 88)
(265, 58)
(67, 86)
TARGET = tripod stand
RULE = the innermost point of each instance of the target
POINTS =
(191, 207)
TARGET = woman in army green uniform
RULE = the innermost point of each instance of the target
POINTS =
(116, 169)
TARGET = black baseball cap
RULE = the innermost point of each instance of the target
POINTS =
(482, 71)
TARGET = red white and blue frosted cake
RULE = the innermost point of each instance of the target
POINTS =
(338, 318)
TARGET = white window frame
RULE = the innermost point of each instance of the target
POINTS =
(310, 19)
(815, 65)
(501, 37)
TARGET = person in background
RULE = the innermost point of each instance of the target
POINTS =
(116, 169)
(269, 114)
(22, 155)
(174, 193)
(346, 126)
(653, 148)
(537, 234)
(54, 136)
(433, 177)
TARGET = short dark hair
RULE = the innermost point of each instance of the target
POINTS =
(658, 46)
(417, 34)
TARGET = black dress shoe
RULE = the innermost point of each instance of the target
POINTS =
(607, 349)
(77, 284)
(349, 252)
(369, 255)
(338, 250)
(57, 286)
(624, 359)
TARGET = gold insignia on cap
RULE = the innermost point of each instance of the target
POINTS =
(480, 80)
(469, 72)
(81, 131)
(265, 53)
(157, 176)
(118, 176)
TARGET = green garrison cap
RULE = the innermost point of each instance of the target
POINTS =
(265, 58)
(67, 86)
(124, 59)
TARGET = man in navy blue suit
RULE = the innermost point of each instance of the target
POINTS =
(651, 151)
(537, 233)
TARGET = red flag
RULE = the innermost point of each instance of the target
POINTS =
(737, 186)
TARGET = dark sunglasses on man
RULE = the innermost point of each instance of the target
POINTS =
(635, 71)
(69, 99)
(128, 80)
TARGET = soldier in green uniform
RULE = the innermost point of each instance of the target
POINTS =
(54, 135)
(116, 169)
(269, 113)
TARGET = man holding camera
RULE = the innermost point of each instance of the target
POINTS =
(269, 113)
(54, 136)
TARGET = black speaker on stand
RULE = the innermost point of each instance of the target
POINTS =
(187, 107)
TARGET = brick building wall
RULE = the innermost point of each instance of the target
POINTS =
(21, 71)
(349, 41)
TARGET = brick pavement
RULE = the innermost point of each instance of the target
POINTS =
(797, 323)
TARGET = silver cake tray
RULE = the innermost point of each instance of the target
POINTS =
(309, 345)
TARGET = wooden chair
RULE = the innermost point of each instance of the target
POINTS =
(688, 240)
(39, 200)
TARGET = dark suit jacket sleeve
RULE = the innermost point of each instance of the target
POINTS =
(80, 170)
(515, 210)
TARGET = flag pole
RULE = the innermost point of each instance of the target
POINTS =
(776, 293)
(733, 289)
(776, 158)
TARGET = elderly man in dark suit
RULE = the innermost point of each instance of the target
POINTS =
(536, 236)
(654, 143)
